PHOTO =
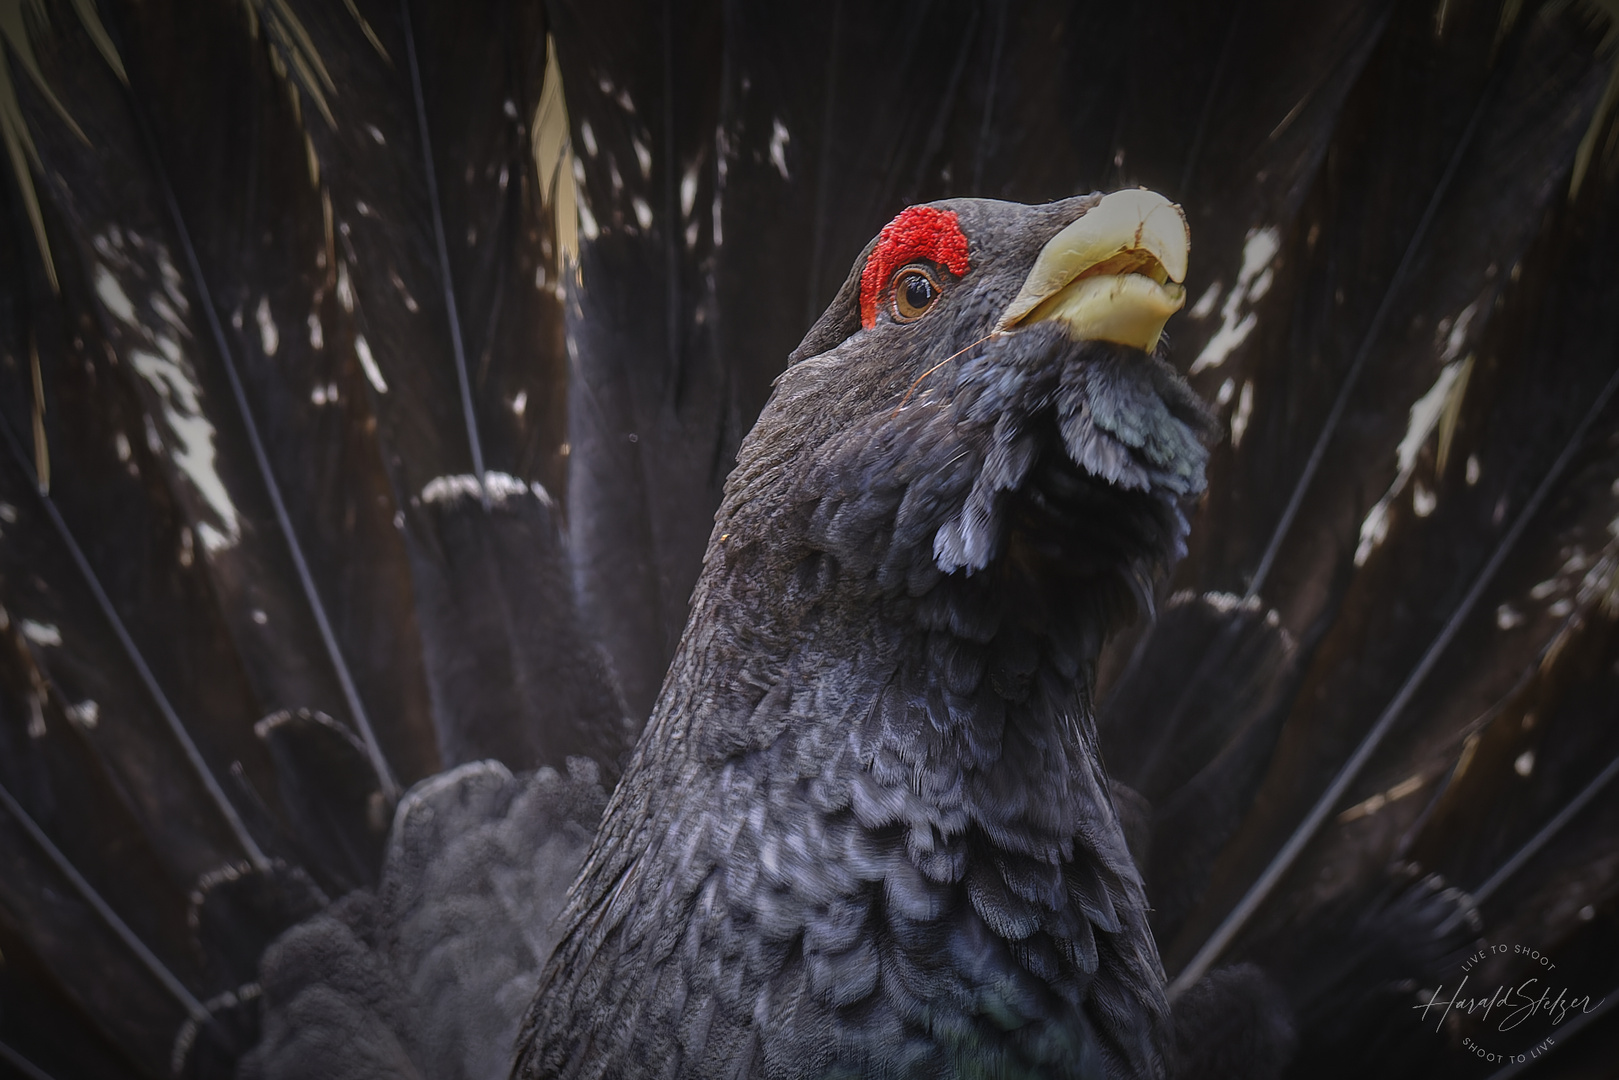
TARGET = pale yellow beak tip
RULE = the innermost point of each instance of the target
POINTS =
(1135, 245)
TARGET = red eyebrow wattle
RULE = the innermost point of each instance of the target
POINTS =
(919, 232)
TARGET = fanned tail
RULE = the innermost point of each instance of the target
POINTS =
(282, 490)
(341, 447)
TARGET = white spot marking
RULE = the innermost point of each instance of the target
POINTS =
(1244, 410)
(182, 411)
(1423, 501)
(643, 212)
(520, 404)
(1227, 391)
(587, 133)
(1425, 414)
(1253, 281)
(212, 539)
(1261, 284)
(1507, 616)
(362, 349)
(1205, 303)
(113, 296)
(269, 336)
(166, 312)
(120, 444)
(688, 190)
(345, 290)
(1525, 763)
(587, 221)
(399, 283)
(260, 617)
(643, 158)
(376, 134)
(500, 486)
(41, 633)
(1472, 470)
(317, 335)
(1458, 333)
(779, 138)
(86, 714)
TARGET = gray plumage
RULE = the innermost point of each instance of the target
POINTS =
(867, 831)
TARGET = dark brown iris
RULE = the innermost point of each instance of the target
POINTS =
(915, 290)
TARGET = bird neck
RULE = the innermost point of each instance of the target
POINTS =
(873, 785)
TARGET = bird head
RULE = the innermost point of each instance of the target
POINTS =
(986, 355)
(1105, 267)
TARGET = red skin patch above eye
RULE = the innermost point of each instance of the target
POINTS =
(920, 232)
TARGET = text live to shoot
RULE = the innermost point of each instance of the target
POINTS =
(1532, 1006)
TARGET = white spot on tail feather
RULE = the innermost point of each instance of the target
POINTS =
(1455, 333)
(269, 336)
(172, 378)
(779, 138)
(166, 312)
(41, 633)
(373, 373)
(1425, 415)
(688, 191)
(1423, 501)
(1243, 412)
(1205, 303)
(345, 288)
(112, 295)
(587, 221)
(500, 486)
(87, 714)
(1253, 281)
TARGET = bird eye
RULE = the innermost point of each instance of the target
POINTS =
(915, 290)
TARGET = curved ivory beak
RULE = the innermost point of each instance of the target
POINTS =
(1112, 275)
